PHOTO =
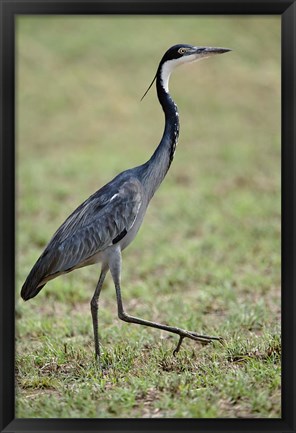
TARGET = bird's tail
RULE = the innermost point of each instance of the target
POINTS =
(35, 280)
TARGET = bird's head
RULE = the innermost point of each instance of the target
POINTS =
(184, 53)
(181, 54)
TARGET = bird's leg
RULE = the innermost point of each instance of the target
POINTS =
(115, 267)
(181, 332)
(94, 309)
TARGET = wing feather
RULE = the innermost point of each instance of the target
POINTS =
(95, 225)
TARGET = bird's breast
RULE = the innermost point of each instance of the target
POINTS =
(131, 234)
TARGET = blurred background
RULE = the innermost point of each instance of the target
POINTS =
(208, 254)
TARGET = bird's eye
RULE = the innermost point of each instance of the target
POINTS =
(182, 50)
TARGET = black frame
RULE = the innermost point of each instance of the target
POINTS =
(8, 10)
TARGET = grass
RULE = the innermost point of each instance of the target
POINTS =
(208, 255)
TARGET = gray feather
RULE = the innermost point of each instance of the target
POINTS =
(91, 228)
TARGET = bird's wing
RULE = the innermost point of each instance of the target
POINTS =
(102, 220)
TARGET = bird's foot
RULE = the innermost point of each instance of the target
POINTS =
(98, 359)
(204, 339)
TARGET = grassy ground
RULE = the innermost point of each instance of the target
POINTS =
(208, 255)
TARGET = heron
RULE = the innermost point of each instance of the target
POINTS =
(108, 221)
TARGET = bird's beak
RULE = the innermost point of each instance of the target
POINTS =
(209, 51)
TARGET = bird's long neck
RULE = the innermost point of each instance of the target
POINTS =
(161, 159)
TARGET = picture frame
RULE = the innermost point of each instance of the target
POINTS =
(9, 9)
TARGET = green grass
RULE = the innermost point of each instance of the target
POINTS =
(208, 255)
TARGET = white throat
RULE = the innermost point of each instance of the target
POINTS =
(168, 67)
